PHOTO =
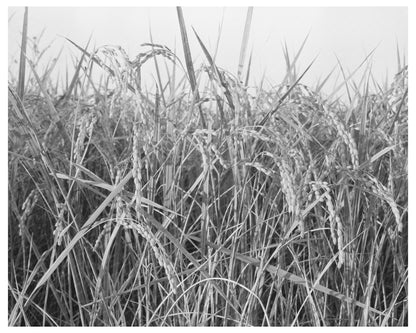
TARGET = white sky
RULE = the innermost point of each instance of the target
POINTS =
(349, 33)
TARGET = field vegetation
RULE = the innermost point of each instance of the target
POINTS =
(204, 201)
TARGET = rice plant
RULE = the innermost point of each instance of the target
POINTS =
(203, 201)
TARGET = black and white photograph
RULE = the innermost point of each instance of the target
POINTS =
(215, 166)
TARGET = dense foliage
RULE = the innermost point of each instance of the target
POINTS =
(235, 205)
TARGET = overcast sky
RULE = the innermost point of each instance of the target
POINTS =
(348, 33)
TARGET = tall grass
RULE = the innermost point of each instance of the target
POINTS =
(204, 205)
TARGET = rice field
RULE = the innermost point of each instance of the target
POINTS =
(204, 201)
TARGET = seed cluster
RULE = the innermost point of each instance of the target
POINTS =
(60, 223)
(27, 208)
(344, 134)
(381, 191)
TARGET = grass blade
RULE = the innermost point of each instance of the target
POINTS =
(22, 64)
(281, 100)
(219, 76)
(189, 63)
(351, 75)
(248, 69)
(291, 65)
(74, 79)
(244, 42)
